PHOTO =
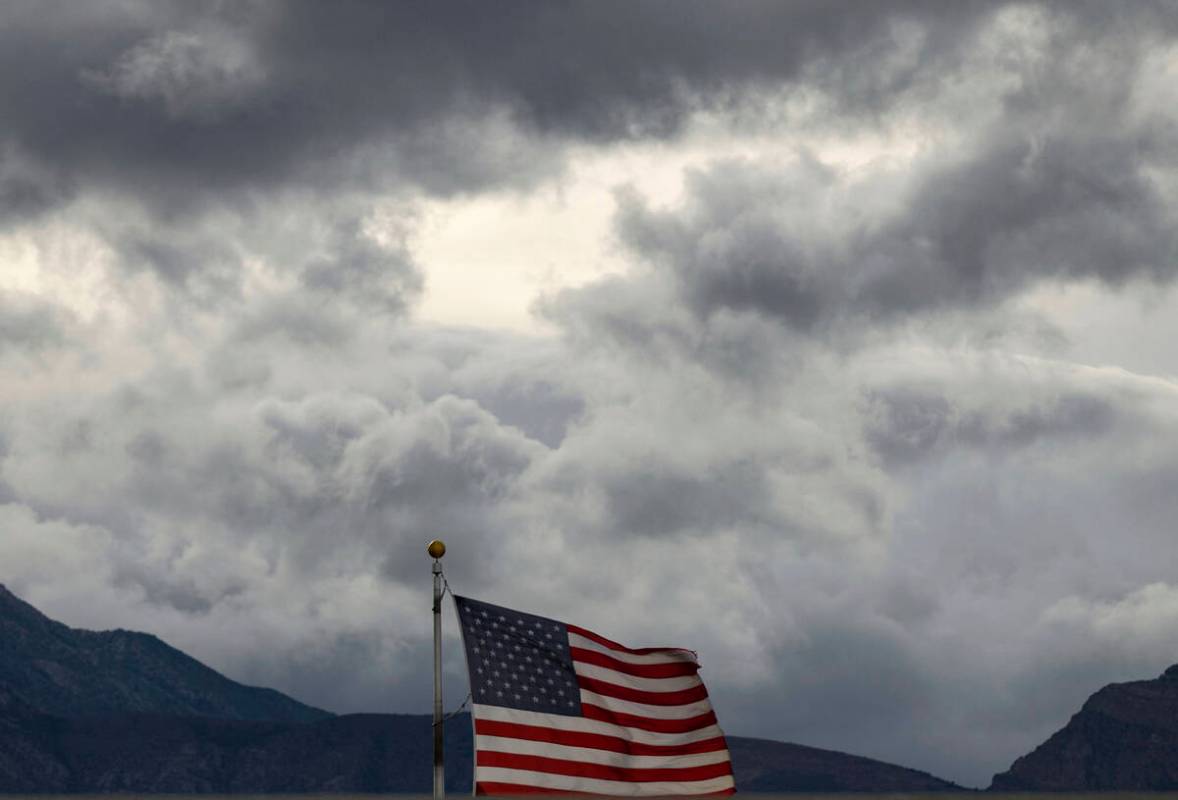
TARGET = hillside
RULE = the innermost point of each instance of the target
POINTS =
(73, 673)
(1124, 738)
(764, 765)
(124, 712)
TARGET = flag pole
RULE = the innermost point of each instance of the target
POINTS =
(437, 549)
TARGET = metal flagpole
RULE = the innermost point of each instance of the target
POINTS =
(437, 549)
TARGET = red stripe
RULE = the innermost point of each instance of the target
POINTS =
(612, 645)
(595, 741)
(512, 789)
(604, 772)
(486, 788)
(679, 698)
(672, 669)
(589, 711)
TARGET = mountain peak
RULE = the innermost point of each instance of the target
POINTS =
(1124, 738)
(66, 672)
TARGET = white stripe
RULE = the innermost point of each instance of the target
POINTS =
(581, 725)
(669, 657)
(572, 783)
(675, 684)
(500, 744)
(684, 711)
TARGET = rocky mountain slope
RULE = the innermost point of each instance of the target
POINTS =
(1124, 738)
(59, 670)
(146, 753)
(124, 712)
(764, 765)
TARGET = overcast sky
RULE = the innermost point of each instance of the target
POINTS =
(833, 340)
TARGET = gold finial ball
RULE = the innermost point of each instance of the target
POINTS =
(437, 548)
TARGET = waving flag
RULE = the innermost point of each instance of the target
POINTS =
(559, 709)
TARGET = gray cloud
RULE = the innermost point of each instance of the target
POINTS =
(32, 325)
(830, 426)
(971, 233)
(210, 97)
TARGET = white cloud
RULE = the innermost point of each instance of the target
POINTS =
(197, 75)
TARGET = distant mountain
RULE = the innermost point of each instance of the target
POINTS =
(148, 753)
(1124, 738)
(764, 765)
(58, 670)
(124, 712)
(359, 753)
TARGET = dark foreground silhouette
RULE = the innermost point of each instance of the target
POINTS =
(123, 712)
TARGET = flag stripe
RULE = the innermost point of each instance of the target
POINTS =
(678, 700)
(648, 710)
(618, 678)
(543, 780)
(516, 789)
(668, 669)
(612, 645)
(657, 657)
(596, 741)
(605, 772)
(592, 755)
(647, 724)
(606, 727)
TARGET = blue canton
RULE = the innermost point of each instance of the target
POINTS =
(518, 660)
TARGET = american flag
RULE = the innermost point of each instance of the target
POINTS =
(561, 710)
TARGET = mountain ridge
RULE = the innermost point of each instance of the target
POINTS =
(168, 723)
(70, 672)
(1123, 738)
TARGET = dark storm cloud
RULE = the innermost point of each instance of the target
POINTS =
(1058, 179)
(804, 431)
(904, 424)
(366, 272)
(1018, 210)
(180, 100)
